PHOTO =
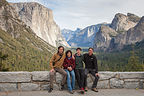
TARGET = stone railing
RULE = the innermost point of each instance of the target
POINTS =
(39, 80)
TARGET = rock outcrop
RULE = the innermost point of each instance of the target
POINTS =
(20, 42)
(133, 35)
(40, 20)
(126, 29)
(121, 22)
(103, 37)
(133, 17)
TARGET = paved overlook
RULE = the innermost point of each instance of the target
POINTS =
(102, 92)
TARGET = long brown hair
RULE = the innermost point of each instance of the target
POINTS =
(59, 48)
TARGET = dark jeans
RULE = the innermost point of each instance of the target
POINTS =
(91, 71)
(80, 77)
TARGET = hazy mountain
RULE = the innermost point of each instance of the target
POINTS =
(68, 34)
(82, 37)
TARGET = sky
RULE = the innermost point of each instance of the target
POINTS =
(72, 14)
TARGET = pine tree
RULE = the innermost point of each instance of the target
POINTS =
(2, 66)
(133, 62)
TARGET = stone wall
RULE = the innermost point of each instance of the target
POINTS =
(39, 80)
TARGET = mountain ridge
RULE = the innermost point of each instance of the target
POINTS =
(83, 37)
(122, 25)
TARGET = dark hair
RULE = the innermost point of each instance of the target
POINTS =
(59, 48)
(68, 52)
(91, 48)
(78, 49)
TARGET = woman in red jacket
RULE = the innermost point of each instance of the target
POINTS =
(69, 65)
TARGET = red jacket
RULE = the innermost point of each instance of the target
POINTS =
(69, 62)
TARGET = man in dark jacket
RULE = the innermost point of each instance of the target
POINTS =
(91, 67)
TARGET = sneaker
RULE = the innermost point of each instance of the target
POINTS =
(94, 89)
(82, 90)
(50, 90)
(62, 87)
(86, 89)
(71, 92)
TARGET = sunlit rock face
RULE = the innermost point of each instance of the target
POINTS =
(40, 20)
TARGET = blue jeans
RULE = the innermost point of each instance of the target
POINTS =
(70, 84)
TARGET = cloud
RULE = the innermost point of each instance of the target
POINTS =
(82, 13)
